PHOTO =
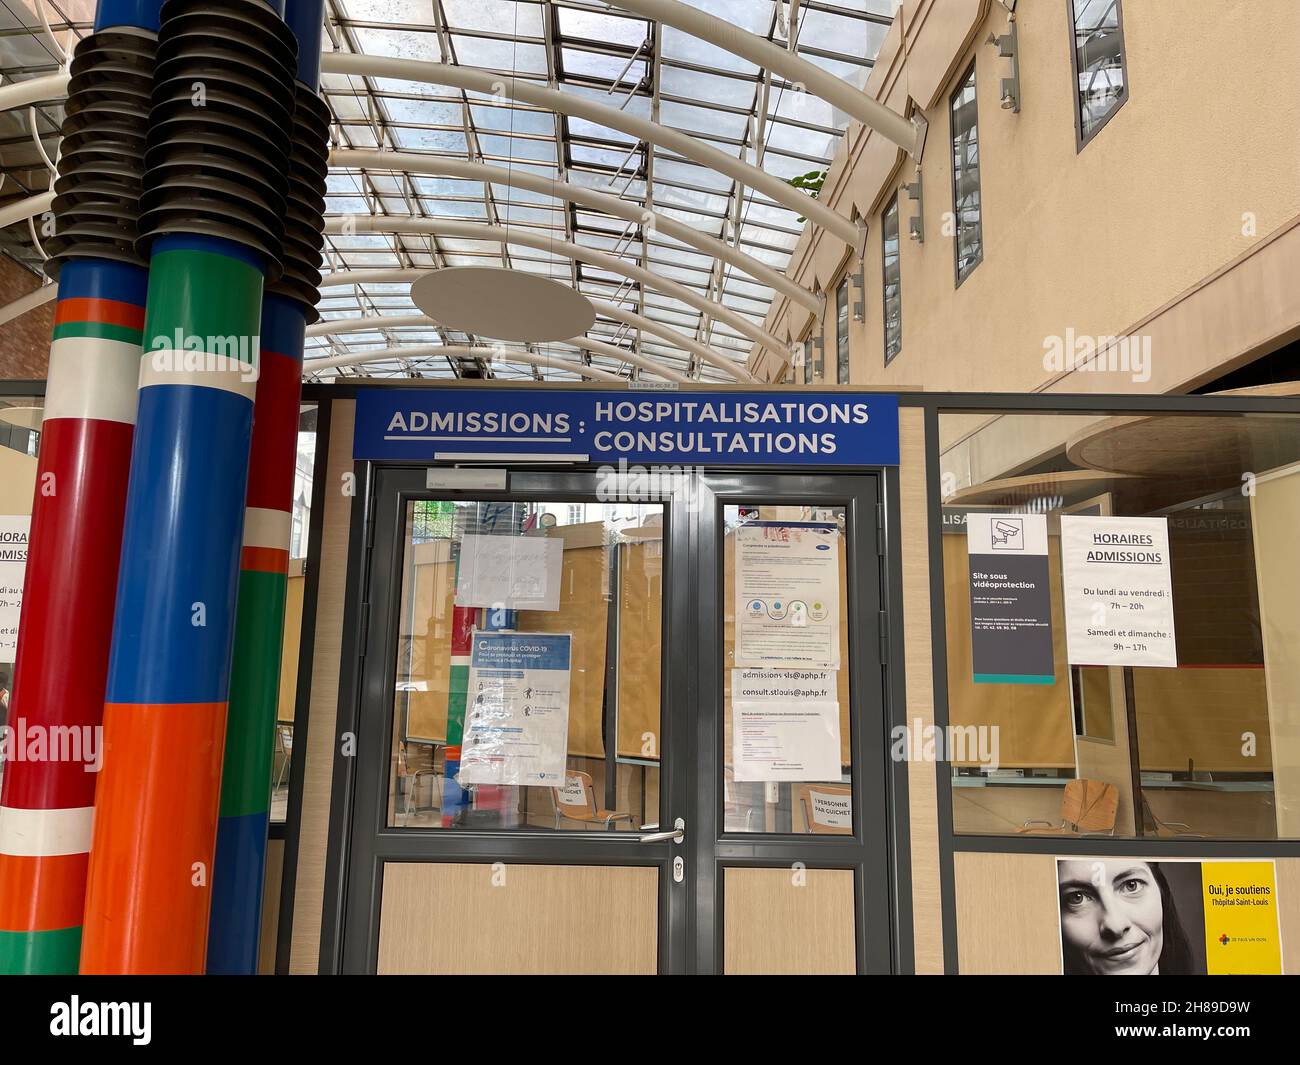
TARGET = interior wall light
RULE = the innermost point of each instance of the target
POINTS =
(916, 224)
(1008, 46)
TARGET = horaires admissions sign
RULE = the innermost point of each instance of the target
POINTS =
(561, 425)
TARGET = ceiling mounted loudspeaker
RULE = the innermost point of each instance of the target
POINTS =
(503, 304)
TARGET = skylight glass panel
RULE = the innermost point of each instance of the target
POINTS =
(494, 16)
(581, 62)
(505, 148)
(495, 54)
(598, 26)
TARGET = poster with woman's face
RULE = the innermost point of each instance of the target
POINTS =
(1140, 917)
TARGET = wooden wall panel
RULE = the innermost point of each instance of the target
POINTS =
(927, 910)
(640, 648)
(270, 907)
(771, 925)
(518, 919)
(323, 706)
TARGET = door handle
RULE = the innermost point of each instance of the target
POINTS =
(677, 833)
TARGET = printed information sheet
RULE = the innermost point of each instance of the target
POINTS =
(510, 572)
(1010, 599)
(13, 566)
(517, 712)
(785, 725)
(788, 594)
(1119, 598)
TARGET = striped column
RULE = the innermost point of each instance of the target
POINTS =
(156, 807)
(288, 307)
(259, 626)
(67, 615)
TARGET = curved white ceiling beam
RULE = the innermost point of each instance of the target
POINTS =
(681, 340)
(792, 67)
(36, 298)
(415, 163)
(34, 90)
(423, 351)
(397, 321)
(567, 103)
(367, 322)
(530, 239)
(395, 276)
(21, 210)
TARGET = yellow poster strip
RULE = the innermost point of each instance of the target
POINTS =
(1242, 935)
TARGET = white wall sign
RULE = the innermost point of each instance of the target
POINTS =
(510, 572)
(788, 595)
(14, 529)
(1119, 599)
(517, 709)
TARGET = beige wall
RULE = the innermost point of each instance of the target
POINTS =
(1140, 231)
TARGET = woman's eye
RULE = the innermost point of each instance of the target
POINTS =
(1074, 899)
(1133, 885)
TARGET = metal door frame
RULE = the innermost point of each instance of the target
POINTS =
(867, 851)
(690, 935)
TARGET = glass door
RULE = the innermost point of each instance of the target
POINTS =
(602, 729)
(511, 769)
(789, 836)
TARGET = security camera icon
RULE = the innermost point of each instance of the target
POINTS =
(1008, 534)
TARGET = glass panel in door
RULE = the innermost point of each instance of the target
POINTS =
(786, 756)
(528, 666)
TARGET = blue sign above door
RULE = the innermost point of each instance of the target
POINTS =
(562, 425)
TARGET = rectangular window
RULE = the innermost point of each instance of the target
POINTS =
(807, 362)
(966, 176)
(1099, 72)
(1166, 676)
(893, 281)
(842, 332)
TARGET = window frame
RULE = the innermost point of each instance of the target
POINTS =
(1082, 140)
(968, 75)
(884, 279)
(842, 355)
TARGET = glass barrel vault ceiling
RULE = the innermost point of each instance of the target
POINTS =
(589, 49)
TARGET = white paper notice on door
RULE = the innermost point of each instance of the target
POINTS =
(517, 709)
(779, 739)
(510, 572)
(14, 529)
(787, 603)
(1119, 598)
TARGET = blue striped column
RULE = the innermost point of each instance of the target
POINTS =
(288, 308)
